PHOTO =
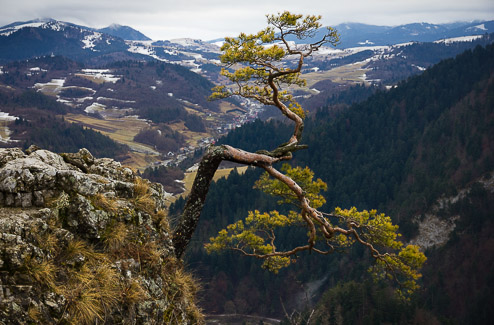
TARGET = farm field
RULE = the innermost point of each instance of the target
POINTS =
(350, 73)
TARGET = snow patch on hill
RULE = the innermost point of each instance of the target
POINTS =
(52, 87)
(101, 74)
(144, 49)
(94, 107)
(5, 132)
(459, 39)
(481, 27)
(89, 41)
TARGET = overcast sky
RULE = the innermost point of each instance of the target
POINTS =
(211, 19)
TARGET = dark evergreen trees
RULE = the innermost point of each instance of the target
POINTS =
(399, 150)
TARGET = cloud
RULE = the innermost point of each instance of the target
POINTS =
(166, 19)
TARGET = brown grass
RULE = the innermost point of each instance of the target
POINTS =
(43, 273)
(79, 247)
(91, 292)
(133, 292)
(34, 314)
(182, 289)
(142, 196)
(116, 237)
(161, 218)
(100, 201)
(150, 253)
(47, 241)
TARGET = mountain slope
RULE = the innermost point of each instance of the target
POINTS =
(124, 32)
(43, 38)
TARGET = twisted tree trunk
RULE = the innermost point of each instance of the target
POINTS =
(207, 167)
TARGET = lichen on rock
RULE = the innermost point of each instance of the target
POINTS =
(86, 240)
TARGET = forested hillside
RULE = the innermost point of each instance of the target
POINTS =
(38, 122)
(398, 151)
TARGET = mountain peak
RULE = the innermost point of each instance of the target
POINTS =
(124, 32)
(115, 26)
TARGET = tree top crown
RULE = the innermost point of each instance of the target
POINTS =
(260, 61)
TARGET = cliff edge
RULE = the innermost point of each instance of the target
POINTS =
(85, 240)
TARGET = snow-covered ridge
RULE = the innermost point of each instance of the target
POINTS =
(43, 23)
(185, 41)
(10, 30)
(143, 48)
(481, 27)
(459, 39)
(51, 24)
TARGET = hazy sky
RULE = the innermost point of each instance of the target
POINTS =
(210, 19)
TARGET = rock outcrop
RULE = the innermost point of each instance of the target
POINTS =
(85, 240)
(435, 231)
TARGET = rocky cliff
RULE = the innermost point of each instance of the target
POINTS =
(85, 240)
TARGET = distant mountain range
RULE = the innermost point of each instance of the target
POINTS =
(37, 38)
(355, 34)
(44, 37)
(124, 32)
(377, 45)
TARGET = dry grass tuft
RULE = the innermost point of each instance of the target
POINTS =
(43, 273)
(142, 196)
(91, 291)
(150, 253)
(116, 237)
(34, 314)
(86, 307)
(187, 284)
(141, 187)
(133, 292)
(161, 220)
(100, 201)
(80, 248)
(181, 289)
(46, 240)
(49, 242)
